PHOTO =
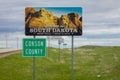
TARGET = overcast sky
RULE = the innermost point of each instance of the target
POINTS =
(101, 18)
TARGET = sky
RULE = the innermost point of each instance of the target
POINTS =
(101, 18)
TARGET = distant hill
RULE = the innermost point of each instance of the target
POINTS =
(89, 46)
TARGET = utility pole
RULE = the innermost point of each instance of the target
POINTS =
(6, 37)
(17, 42)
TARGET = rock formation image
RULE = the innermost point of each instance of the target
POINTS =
(29, 12)
(74, 17)
(66, 22)
(43, 18)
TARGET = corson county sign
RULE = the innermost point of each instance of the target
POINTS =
(34, 47)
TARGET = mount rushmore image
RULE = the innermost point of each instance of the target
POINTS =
(43, 18)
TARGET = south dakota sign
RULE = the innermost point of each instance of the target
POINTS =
(54, 21)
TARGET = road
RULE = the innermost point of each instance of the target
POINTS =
(7, 51)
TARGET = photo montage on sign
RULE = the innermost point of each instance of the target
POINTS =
(58, 21)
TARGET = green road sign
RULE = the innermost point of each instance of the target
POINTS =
(64, 44)
(34, 47)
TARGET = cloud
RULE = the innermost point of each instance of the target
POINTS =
(100, 20)
(101, 30)
(12, 14)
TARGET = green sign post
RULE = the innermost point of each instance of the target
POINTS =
(34, 47)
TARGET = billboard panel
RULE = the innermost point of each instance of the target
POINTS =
(53, 21)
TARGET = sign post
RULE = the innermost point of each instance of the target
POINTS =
(48, 51)
(60, 40)
(72, 61)
(34, 67)
(59, 53)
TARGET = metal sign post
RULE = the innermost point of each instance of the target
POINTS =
(72, 60)
(48, 47)
(60, 40)
(34, 70)
(59, 51)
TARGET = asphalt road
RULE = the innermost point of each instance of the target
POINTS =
(7, 51)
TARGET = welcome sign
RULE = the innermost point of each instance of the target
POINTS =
(54, 21)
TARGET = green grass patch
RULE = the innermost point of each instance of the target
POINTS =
(90, 63)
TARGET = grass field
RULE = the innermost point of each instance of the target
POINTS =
(90, 63)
